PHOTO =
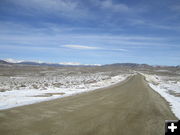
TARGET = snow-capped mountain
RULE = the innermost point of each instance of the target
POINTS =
(41, 63)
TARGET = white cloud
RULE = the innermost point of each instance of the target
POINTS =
(81, 47)
(68, 8)
(58, 5)
(108, 4)
(119, 50)
(22, 36)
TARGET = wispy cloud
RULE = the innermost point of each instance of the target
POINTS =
(66, 8)
(176, 7)
(117, 7)
(153, 25)
(52, 36)
(51, 5)
(119, 50)
(81, 47)
(30, 48)
(88, 29)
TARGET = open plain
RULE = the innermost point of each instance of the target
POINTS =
(128, 108)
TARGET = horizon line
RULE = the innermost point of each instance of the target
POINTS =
(15, 61)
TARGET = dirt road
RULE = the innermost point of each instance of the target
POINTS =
(130, 108)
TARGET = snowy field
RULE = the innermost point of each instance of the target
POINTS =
(168, 87)
(23, 90)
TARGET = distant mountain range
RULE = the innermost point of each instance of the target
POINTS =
(33, 63)
(129, 65)
(4, 62)
(135, 65)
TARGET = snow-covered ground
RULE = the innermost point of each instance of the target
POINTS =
(167, 87)
(18, 91)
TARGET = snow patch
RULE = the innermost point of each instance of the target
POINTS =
(26, 95)
(165, 85)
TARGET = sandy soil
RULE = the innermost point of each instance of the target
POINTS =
(130, 108)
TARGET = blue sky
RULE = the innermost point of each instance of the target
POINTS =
(91, 31)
